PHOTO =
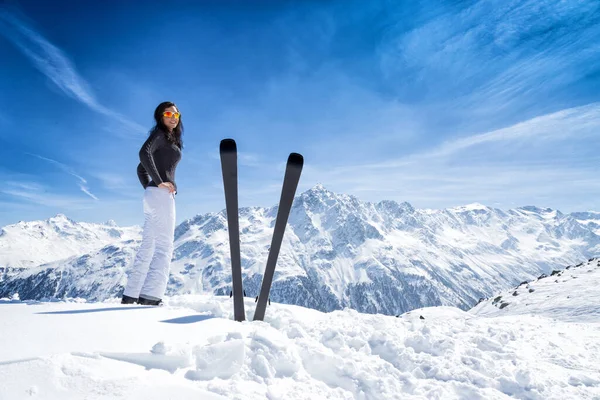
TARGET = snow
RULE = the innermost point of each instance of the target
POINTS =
(590, 218)
(578, 297)
(470, 207)
(191, 348)
(31, 243)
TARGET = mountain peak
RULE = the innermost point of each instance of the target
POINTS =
(319, 188)
(60, 218)
(470, 207)
(316, 197)
(318, 191)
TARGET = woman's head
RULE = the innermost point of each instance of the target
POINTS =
(168, 118)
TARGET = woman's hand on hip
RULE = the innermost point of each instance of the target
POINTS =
(167, 185)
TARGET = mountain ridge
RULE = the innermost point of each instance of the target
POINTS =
(338, 251)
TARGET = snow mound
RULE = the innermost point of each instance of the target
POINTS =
(192, 348)
(570, 294)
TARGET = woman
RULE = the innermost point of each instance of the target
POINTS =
(159, 156)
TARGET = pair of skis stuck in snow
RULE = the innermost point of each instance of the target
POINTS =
(295, 162)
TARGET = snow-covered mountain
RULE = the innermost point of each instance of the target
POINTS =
(338, 252)
(590, 218)
(569, 294)
(28, 244)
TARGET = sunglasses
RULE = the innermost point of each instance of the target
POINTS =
(170, 114)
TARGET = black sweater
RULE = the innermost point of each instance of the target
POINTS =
(158, 160)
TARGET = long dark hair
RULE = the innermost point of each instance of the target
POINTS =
(176, 137)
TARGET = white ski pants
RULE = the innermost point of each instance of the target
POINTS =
(150, 272)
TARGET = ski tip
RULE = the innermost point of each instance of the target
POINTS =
(296, 159)
(228, 145)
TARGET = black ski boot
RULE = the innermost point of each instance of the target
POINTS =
(147, 302)
(128, 300)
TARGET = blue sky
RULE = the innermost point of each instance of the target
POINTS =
(438, 103)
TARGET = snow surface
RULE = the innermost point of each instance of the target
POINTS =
(192, 349)
(578, 297)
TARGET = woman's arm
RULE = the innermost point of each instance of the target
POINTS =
(147, 159)
(143, 175)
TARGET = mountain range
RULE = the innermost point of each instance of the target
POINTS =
(338, 251)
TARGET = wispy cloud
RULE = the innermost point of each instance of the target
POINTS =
(119, 184)
(494, 59)
(244, 158)
(33, 192)
(542, 161)
(249, 160)
(444, 185)
(112, 181)
(54, 63)
(576, 123)
(82, 182)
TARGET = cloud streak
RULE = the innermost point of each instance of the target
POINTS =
(82, 182)
(576, 124)
(53, 63)
(36, 193)
(541, 160)
(503, 33)
(111, 181)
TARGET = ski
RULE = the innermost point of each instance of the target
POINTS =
(228, 151)
(291, 178)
